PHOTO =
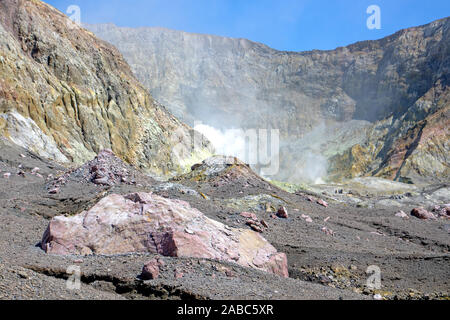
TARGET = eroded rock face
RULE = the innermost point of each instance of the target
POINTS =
(66, 95)
(144, 222)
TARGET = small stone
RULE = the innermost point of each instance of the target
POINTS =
(54, 191)
(322, 203)
(7, 175)
(249, 215)
(229, 273)
(178, 274)
(328, 231)
(282, 213)
(264, 224)
(150, 270)
(378, 297)
(256, 228)
(102, 181)
(23, 274)
(402, 215)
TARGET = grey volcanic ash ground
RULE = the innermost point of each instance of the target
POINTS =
(329, 244)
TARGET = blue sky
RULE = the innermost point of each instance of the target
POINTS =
(294, 25)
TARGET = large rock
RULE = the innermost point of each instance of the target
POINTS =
(144, 222)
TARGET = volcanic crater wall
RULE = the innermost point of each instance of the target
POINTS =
(66, 95)
(369, 91)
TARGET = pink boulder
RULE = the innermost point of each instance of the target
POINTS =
(144, 222)
(322, 203)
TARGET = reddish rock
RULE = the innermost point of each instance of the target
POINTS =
(256, 228)
(150, 270)
(421, 213)
(54, 191)
(308, 219)
(282, 213)
(264, 224)
(178, 274)
(255, 225)
(230, 274)
(402, 215)
(322, 203)
(249, 215)
(328, 231)
(442, 211)
(144, 222)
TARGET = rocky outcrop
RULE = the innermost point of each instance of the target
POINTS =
(144, 222)
(412, 148)
(106, 169)
(66, 95)
(376, 102)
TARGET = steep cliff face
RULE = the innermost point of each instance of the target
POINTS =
(412, 148)
(66, 95)
(386, 87)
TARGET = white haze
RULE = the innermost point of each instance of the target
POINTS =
(306, 163)
(230, 142)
